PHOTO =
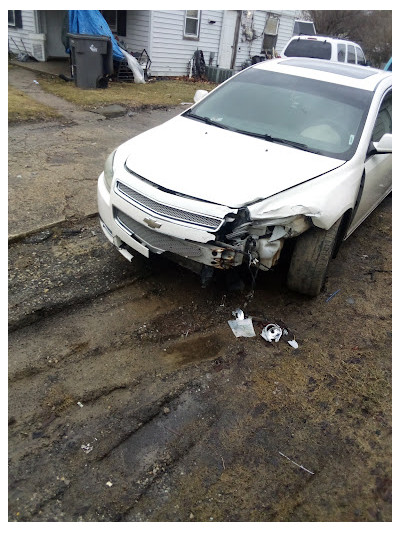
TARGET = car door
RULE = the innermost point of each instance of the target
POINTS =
(377, 178)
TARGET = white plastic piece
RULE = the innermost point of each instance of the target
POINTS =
(242, 328)
(293, 343)
(238, 313)
(271, 333)
(133, 64)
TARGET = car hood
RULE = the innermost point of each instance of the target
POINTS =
(220, 166)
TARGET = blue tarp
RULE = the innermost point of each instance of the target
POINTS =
(92, 22)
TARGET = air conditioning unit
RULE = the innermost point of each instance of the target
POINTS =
(218, 75)
(38, 46)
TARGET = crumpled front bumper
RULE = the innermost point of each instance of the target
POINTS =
(131, 228)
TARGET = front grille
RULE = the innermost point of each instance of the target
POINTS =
(154, 238)
(166, 211)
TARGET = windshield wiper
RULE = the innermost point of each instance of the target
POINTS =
(206, 120)
(295, 144)
(287, 142)
(264, 136)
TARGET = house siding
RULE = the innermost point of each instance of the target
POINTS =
(137, 31)
(286, 26)
(160, 32)
(247, 49)
(171, 52)
(20, 36)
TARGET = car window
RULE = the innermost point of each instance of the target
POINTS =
(383, 122)
(351, 54)
(325, 117)
(360, 56)
(309, 48)
(341, 52)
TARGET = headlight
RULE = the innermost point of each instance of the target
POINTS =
(109, 170)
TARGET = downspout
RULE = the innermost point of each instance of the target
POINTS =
(236, 39)
(38, 22)
(150, 41)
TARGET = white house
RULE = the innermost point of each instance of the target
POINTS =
(227, 38)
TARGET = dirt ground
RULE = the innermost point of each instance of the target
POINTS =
(130, 399)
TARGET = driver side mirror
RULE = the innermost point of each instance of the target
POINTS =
(384, 145)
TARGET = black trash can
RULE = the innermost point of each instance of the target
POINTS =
(91, 60)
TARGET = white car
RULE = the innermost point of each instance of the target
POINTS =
(287, 149)
(329, 48)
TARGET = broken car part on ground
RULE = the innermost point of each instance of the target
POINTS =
(290, 149)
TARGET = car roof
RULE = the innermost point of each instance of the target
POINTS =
(322, 38)
(357, 76)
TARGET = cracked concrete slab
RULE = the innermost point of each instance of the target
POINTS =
(54, 166)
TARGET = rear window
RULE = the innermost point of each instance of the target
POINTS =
(302, 27)
(309, 48)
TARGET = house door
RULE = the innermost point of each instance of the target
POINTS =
(227, 40)
(53, 27)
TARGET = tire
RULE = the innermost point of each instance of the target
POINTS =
(199, 64)
(311, 255)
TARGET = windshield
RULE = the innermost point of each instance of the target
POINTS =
(309, 114)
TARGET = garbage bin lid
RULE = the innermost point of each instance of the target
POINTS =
(88, 36)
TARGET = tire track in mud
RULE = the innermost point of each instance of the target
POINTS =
(117, 429)
(44, 390)
(62, 267)
(182, 421)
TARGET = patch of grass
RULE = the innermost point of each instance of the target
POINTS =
(151, 94)
(23, 108)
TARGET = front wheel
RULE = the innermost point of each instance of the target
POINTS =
(311, 255)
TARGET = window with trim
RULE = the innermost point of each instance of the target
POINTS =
(11, 18)
(116, 21)
(111, 19)
(351, 54)
(360, 57)
(15, 19)
(270, 33)
(383, 122)
(192, 24)
(341, 52)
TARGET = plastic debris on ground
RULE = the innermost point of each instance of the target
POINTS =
(133, 64)
(241, 326)
(332, 295)
(238, 313)
(293, 343)
(87, 448)
(271, 332)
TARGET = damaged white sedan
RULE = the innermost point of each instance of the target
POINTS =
(287, 149)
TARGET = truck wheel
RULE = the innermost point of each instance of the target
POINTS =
(311, 255)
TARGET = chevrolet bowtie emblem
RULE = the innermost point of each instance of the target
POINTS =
(152, 223)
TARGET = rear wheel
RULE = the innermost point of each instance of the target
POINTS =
(311, 255)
